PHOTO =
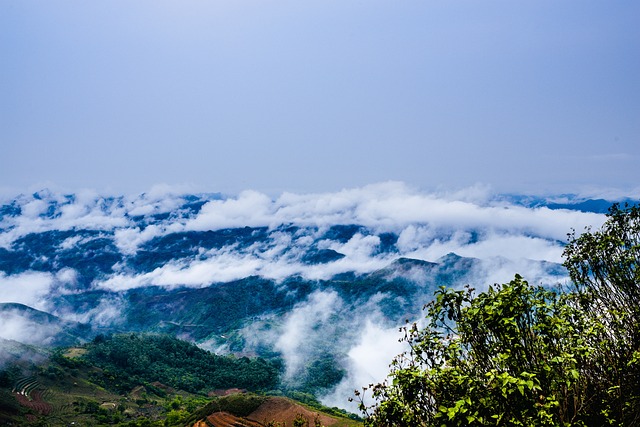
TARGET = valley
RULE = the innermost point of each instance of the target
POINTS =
(101, 298)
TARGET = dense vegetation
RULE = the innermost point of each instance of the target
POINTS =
(114, 381)
(524, 355)
(604, 266)
(129, 360)
(239, 405)
(516, 354)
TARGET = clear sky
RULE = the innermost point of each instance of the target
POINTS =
(526, 96)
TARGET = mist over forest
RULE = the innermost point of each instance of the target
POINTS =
(320, 282)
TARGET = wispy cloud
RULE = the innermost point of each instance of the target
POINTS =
(367, 363)
(298, 334)
(15, 326)
(389, 206)
(29, 288)
(469, 222)
(611, 157)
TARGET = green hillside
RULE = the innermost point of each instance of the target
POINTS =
(135, 380)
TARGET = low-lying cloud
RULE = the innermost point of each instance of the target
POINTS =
(14, 326)
(471, 223)
(299, 332)
(29, 288)
(503, 237)
(367, 363)
(386, 207)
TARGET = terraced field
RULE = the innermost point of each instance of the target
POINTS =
(225, 419)
(278, 410)
(31, 394)
(70, 399)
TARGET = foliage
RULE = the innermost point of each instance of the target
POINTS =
(300, 421)
(176, 417)
(604, 266)
(321, 374)
(8, 407)
(129, 360)
(10, 374)
(142, 422)
(528, 356)
(514, 355)
(238, 404)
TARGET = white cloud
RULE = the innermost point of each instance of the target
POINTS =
(128, 240)
(223, 267)
(250, 208)
(607, 193)
(159, 199)
(85, 211)
(15, 326)
(268, 261)
(29, 288)
(515, 247)
(108, 312)
(358, 247)
(300, 326)
(368, 363)
(70, 242)
(429, 226)
(388, 207)
(501, 270)
(490, 245)
(34, 209)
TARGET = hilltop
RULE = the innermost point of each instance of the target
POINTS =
(123, 380)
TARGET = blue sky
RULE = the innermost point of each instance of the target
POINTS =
(528, 96)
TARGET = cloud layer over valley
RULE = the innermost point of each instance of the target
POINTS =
(424, 226)
(314, 278)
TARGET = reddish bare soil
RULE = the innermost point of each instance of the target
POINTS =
(35, 401)
(276, 409)
(284, 410)
(225, 419)
(226, 392)
(163, 387)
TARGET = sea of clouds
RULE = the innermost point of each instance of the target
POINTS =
(471, 223)
(508, 237)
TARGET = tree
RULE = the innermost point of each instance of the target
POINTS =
(528, 356)
(300, 421)
(508, 356)
(604, 268)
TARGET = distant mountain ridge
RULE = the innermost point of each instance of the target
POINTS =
(39, 327)
(308, 280)
(572, 202)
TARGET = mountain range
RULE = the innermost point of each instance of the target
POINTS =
(319, 282)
